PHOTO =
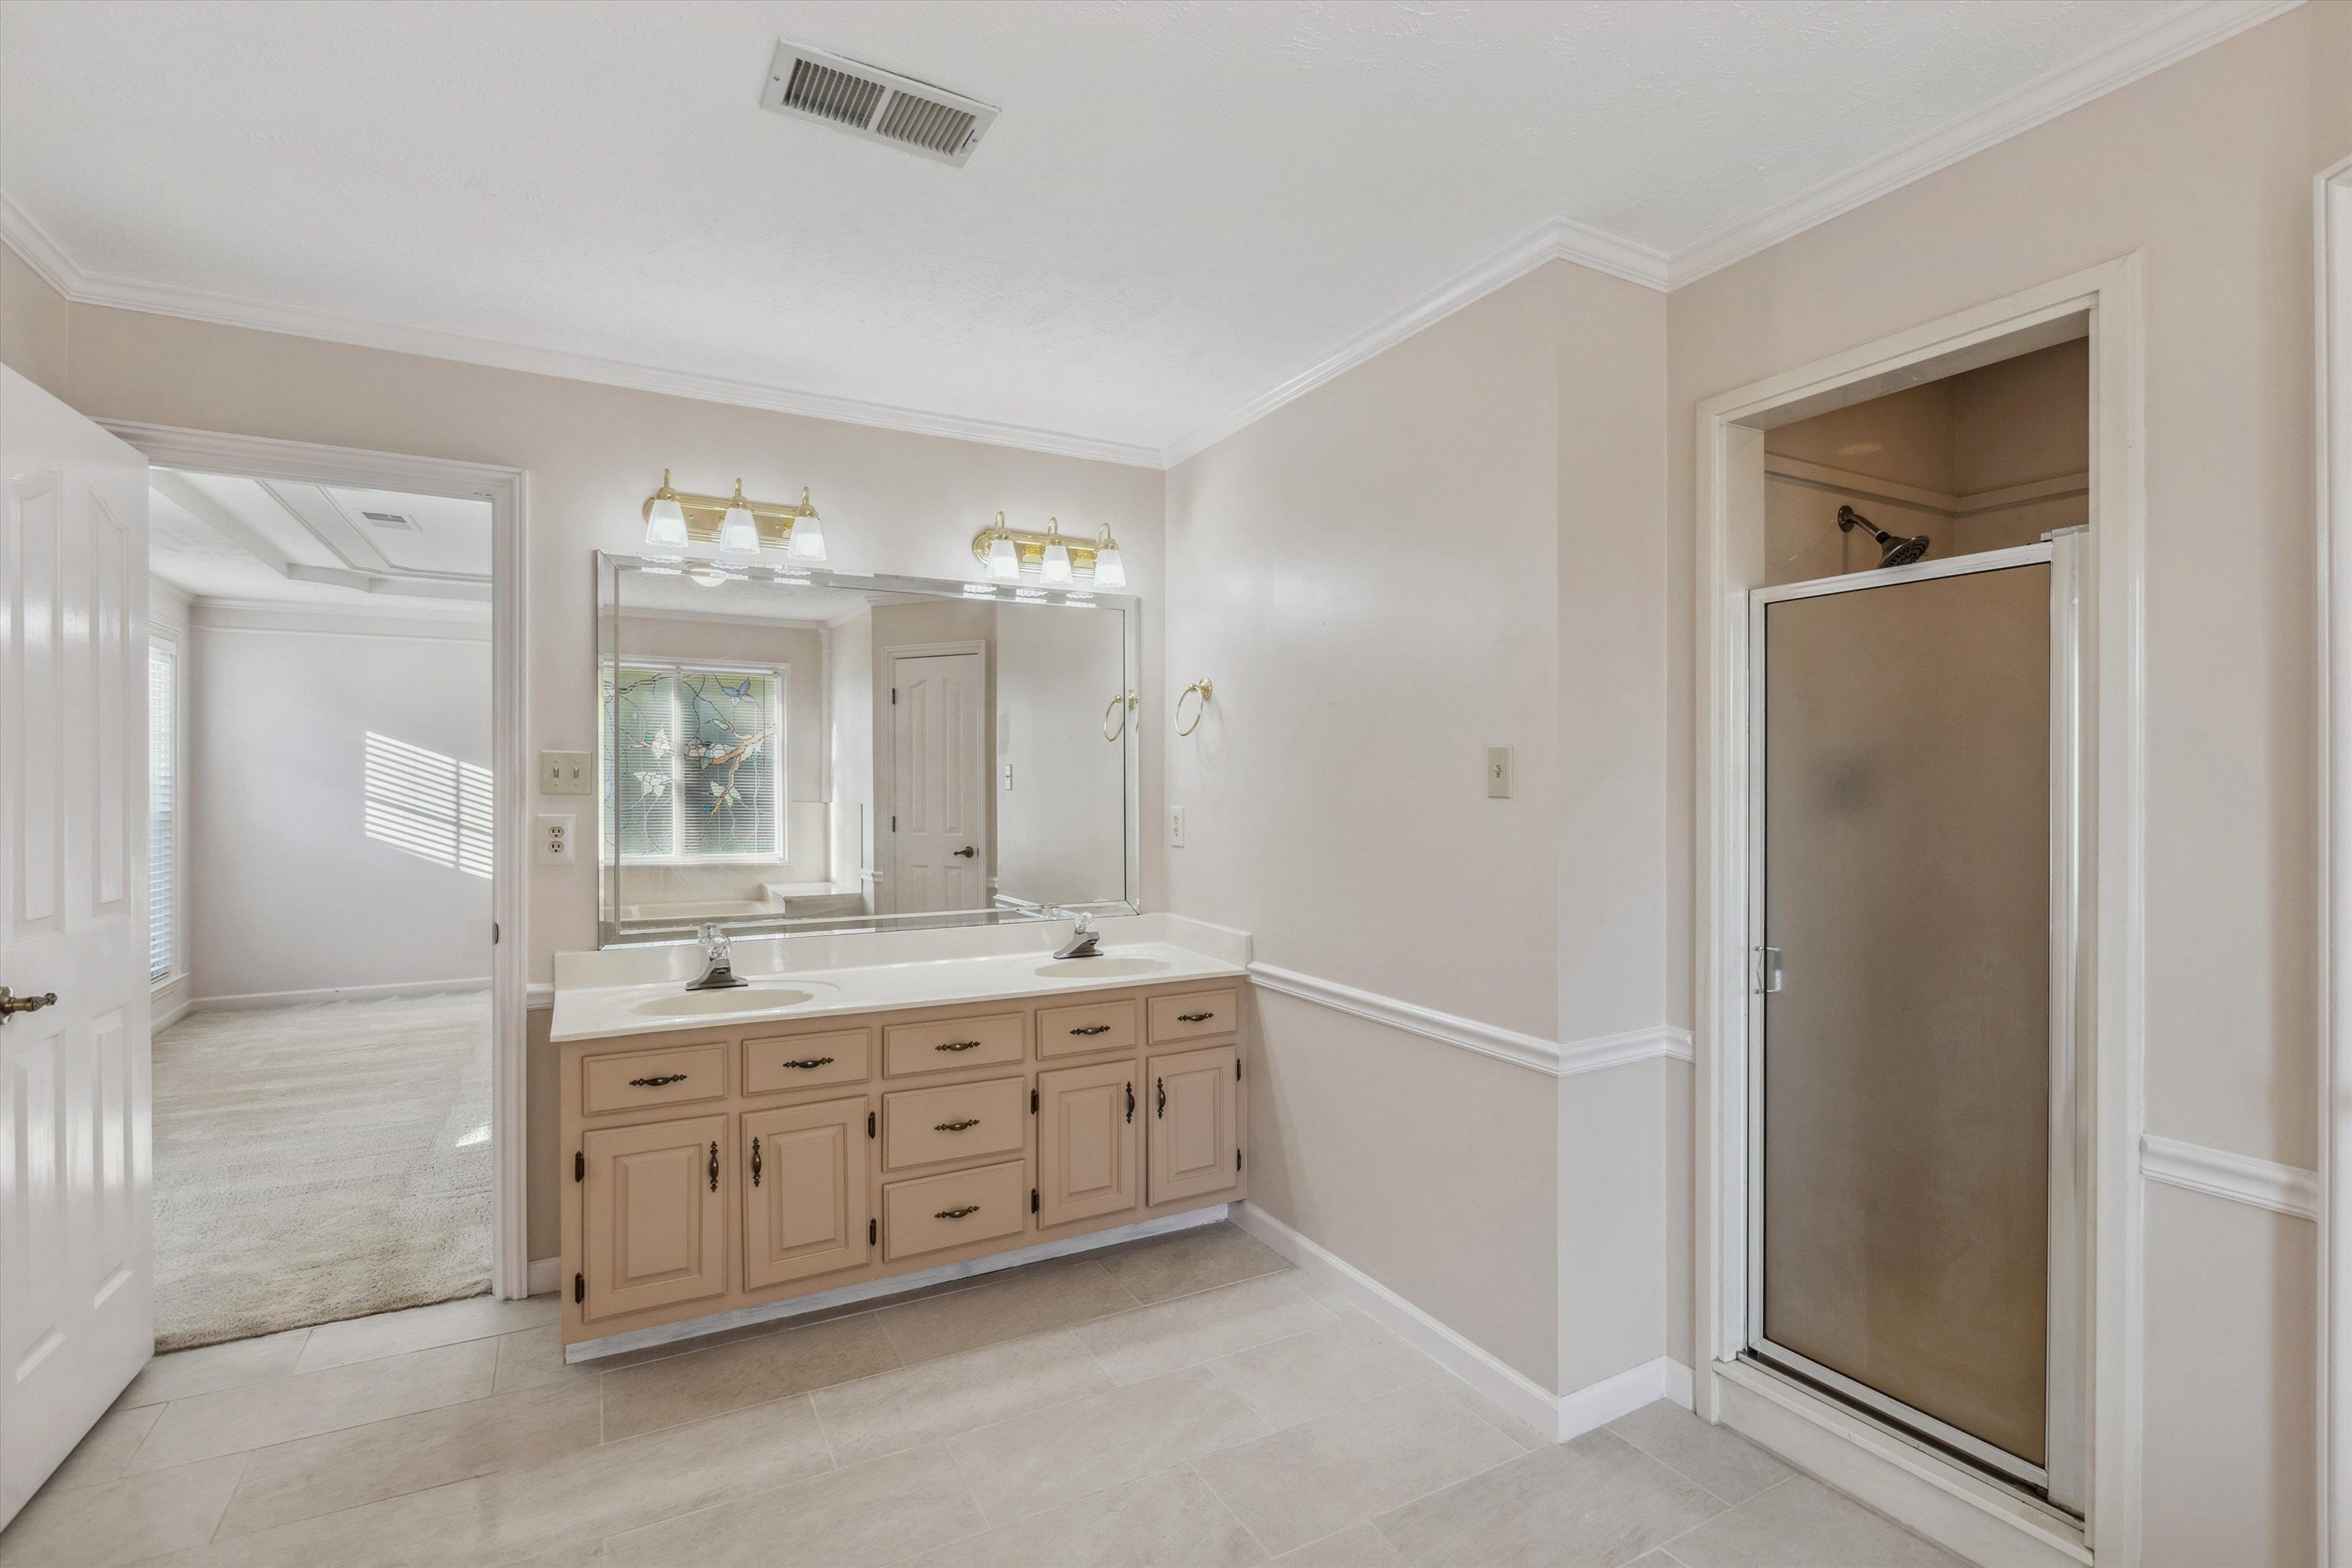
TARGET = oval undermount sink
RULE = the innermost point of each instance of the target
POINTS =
(1108, 968)
(736, 999)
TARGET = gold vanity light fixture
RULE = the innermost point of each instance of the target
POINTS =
(738, 526)
(1009, 553)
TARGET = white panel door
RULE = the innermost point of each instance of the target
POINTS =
(939, 781)
(77, 1276)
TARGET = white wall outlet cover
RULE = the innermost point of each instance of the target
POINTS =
(1498, 772)
(553, 845)
(566, 772)
(1176, 828)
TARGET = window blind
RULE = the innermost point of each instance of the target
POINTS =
(162, 806)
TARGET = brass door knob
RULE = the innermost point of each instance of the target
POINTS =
(10, 1005)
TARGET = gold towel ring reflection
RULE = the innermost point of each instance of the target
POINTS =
(1207, 690)
(1118, 705)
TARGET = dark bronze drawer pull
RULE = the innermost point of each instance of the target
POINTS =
(967, 1123)
(1093, 1029)
(1194, 1017)
(714, 1167)
(957, 1213)
(807, 1062)
(956, 1046)
(666, 1078)
(1131, 1102)
(755, 1162)
(1162, 1108)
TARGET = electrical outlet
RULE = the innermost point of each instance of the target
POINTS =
(1176, 828)
(1498, 772)
(564, 773)
(554, 841)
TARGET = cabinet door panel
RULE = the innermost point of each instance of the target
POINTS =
(653, 1222)
(806, 1200)
(1085, 1142)
(1195, 1141)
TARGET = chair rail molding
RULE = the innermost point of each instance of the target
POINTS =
(1553, 1058)
(2241, 1178)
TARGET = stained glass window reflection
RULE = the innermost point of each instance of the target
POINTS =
(695, 761)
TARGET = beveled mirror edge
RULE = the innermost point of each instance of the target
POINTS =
(607, 566)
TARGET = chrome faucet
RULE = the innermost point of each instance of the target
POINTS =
(1084, 940)
(717, 963)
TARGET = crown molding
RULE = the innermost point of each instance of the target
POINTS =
(82, 286)
(1557, 240)
(2172, 37)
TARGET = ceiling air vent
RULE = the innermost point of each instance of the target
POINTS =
(393, 520)
(879, 105)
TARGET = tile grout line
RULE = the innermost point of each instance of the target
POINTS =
(1727, 1503)
(1192, 1468)
(1723, 1513)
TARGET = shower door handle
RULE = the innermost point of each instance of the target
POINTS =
(1768, 971)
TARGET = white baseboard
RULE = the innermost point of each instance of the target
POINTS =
(1599, 1403)
(546, 1276)
(171, 1015)
(873, 1290)
(338, 994)
(1562, 1416)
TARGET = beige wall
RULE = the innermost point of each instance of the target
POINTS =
(1459, 543)
(891, 501)
(2205, 169)
(1938, 459)
(33, 322)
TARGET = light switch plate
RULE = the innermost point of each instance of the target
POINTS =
(566, 772)
(1498, 772)
(553, 845)
(1176, 828)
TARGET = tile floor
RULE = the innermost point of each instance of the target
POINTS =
(1187, 1399)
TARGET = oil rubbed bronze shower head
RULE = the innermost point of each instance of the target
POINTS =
(1892, 551)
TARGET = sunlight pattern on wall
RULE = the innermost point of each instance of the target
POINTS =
(429, 804)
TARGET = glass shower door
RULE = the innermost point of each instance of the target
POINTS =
(1901, 1102)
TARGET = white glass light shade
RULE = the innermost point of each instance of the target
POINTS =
(666, 524)
(1058, 555)
(808, 538)
(1109, 572)
(739, 534)
(1004, 559)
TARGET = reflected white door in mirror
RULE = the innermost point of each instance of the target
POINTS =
(783, 748)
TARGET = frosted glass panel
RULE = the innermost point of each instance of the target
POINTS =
(1905, 1060)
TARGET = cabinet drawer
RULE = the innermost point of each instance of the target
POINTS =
(1194, 1014)
(954, 1210)
(925, 1126)
(632, 1081)
(947, 1043)
(806, 1061)
(1088, 1026)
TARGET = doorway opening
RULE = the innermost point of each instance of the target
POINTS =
(1920, 867)
(321, 853)
(1915, 1180)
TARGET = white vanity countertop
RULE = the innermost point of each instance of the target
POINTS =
(603, 994)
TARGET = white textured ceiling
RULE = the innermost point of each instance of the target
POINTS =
(1181, 206)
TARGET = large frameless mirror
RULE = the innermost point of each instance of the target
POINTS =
(783, 750)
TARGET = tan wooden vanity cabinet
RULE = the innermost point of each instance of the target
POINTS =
(706, 1171)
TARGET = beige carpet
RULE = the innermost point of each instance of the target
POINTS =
(319, 1162)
